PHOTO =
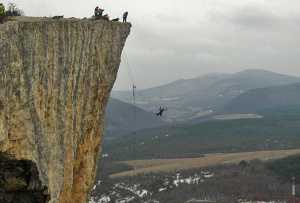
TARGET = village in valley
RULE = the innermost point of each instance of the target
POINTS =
(124, 193)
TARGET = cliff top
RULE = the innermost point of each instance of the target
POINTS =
(50, 19)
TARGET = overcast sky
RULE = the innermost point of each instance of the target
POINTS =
(174, 39)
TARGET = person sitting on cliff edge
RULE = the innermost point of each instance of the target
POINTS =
(98, 12)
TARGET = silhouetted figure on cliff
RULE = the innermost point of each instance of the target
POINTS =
(98, 12)
(125, 15)
(57, 17)
(161, 111)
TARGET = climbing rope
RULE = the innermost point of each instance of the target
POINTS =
(134, 108)
(133, 86)
(128, 68)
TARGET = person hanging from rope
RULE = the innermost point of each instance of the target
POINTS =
(161, 111)
(125, 15)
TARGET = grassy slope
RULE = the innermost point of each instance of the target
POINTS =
(287, 168)
(279, 129)
(121, 119)
(257, 99)
(171, 165)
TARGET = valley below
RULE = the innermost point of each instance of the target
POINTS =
(225, 178)
(225, 138)
(208, 160)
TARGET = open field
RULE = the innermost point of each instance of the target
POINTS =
(170, 165)
(278, 129)
(237, 116)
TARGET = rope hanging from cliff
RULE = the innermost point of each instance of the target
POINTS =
(130, 75)
(134, 108)
(129, 70)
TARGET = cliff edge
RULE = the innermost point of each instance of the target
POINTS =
(55, 80)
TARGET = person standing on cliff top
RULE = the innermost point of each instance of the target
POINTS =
(96, 11)
(125, 15)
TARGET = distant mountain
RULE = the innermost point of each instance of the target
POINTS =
(198, 97)
(172, 91)
(264, 98)
(120, 119)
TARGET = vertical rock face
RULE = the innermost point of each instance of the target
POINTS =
(55, 80)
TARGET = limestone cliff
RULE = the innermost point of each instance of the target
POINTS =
(55, 80)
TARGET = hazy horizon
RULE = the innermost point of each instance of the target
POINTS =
(173, 39)
(204, 75)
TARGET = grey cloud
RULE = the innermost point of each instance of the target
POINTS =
(174, 39)
(256, 17)
(169, 18)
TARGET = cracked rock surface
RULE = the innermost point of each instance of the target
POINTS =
(55, 80)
